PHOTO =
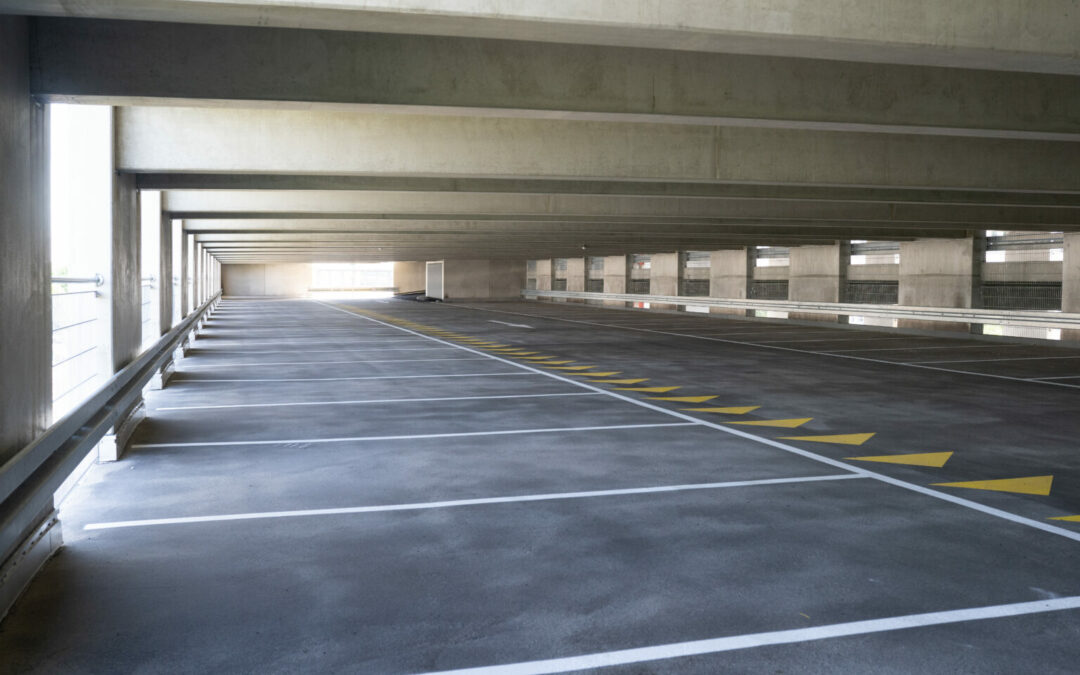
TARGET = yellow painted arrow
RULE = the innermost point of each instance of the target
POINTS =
(536, 358)
(607, 374)
(783, 424)
(934, 459)
(1071, 519)
(1032, 485)
(841, 439)
(737, 410)
(567, 367)
(682, 399)
(648, 390)
(637, 381)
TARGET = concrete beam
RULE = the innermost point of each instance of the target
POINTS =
(250, 141)
(192, 204)
(1034, 36)
(283, 181)
(128, 63)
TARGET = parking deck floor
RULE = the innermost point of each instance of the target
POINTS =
(395, 487)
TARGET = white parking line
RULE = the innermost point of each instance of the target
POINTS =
(233, 364)
(916, 349)
(554, 496)
(834, 353)
(780, 637)
(1017, 358)
(202, 351)
(1059, 377)
(413, 437)
(340, 379)
(953, 499)
(374, 400)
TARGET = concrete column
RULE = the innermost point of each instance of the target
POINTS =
(25, 301)
(126, 272)
(196, 277)
(1070, 282)
(544, 273)
(575, 274)
(730, 275)
(165, 275)
(664, 277)
(467, 280)
(818, 274)
(409, 276)
(941, 273)
(616, 272)
(185, 272)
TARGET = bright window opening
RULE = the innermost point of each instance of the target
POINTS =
(352, 280)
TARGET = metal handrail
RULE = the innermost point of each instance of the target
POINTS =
(29, 479)
(1034, 319)
(97, 280)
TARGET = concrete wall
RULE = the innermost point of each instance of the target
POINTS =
(543, 275)
(1023, 271)
(882, 272)
(410, 276)
(938, 272)
(615, 274)
(277, 280)
(575, 274)
(816, 273)
(730, 273)
(465, 280)
(664, 275)
(25, 302)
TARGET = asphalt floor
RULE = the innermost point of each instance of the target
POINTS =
(400, 487)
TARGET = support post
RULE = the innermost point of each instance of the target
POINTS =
(941, 273)
(818, 274)
(730, 275)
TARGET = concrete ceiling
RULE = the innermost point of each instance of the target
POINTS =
(354, 130)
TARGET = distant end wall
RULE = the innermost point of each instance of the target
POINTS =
(277, 280)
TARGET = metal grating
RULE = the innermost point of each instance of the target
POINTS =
(873, 292)
(694, 287)
(637, 286)
(769, 289)
(594, 285)
(558, 284)
(1045, 295)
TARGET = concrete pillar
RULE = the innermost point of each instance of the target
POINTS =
(25, 300)
(125, 303)
(185, 272)
(409, 276)
(818, 274)
(543, 275)
(730, 275)
(196, 277)
(468, 280)
(941, 273)
(126, 272)
(616, 272)
(575, 275)
(1070, 282)
(165, 274)
(664, 277)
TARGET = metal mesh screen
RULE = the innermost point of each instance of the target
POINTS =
(558, 284)
(694, 287)
(1045, 295)
(769, 289)
(638, 286)
(594, 285)
(873, 292)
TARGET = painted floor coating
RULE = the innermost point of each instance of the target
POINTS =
(398, 487)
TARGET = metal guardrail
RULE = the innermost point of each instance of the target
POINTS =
(1033, 319)
(28, 479)
(97, 280)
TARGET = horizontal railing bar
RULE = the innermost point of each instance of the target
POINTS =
(61, 396)
(59, 295)
(1035, 319)
(75, 356)
(29, 478)
(73, 325)
(96, 279)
